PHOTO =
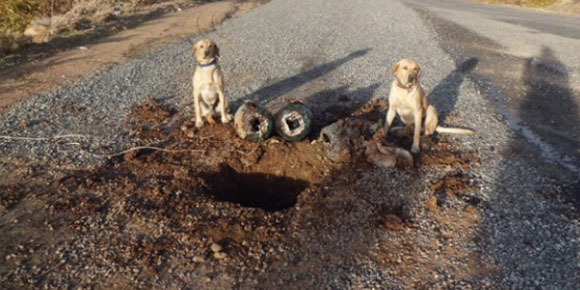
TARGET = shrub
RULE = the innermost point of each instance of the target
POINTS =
(526, 3)
(17, 14)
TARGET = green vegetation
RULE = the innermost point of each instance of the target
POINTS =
(16, 14)
(46, 18)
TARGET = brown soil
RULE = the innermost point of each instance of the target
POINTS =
(151, 112)
(41, 76)
(139, 220)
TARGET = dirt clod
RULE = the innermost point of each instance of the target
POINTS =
(215, 248)
(454, 184)
(152, 112)
(220, 255)
(198, 259)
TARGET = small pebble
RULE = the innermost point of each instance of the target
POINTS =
(215, 248)
(220, 255)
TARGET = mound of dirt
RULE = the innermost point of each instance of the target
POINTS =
(151, 112)
(149, 218)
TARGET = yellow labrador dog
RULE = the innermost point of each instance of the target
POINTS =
(208, 87)
(408, 100)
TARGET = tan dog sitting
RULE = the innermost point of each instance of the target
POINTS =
(408, 100)
(208, 88)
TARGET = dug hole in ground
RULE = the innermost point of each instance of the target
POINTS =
(279, 211)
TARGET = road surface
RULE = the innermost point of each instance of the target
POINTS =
(510, 74)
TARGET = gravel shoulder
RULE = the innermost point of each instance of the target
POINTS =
(475, 213)
(41, 76)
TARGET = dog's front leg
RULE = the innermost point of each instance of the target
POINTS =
(431, 120)
(417, 133)
(197, 106)
(391, 114)
(226, 117)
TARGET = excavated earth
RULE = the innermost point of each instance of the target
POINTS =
(134, 197)
(281, 212)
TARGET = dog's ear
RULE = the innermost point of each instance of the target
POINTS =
(194, 50)
(395, 68)
(217, 50)
(419, 71)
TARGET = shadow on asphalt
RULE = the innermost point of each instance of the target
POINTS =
(282, 87)
(541, 92)
(548, 107)
(444, 96)
(328, 106)
(541, 99)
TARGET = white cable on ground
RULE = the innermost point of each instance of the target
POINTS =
(42, 138)
(148, 147)
(95, 154)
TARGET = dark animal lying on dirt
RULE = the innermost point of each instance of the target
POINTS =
(347, 135)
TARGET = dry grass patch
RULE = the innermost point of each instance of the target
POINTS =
(525, 3)
(39, 21)
(560, 6)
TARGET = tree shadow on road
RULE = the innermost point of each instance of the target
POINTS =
(444, 96)
(284, 86)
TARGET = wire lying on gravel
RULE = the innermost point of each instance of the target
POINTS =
(150, 148)
(95, 154)
(42, 138)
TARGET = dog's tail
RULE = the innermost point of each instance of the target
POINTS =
(451, 130)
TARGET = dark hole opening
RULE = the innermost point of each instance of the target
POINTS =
(261, 190)
(255, 124)
(441, 198)
(475, 201)
(293, 123)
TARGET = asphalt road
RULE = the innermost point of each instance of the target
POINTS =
(529, 61)
(541, 21)
(510, 74)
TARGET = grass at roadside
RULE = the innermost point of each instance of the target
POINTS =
(560, 6)
(38, 21)
(16, 14)
(525, 3)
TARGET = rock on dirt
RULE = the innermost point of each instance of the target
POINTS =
(215, 248)
(220, 255)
